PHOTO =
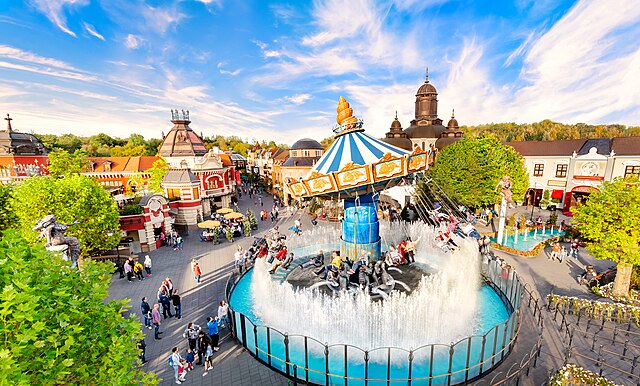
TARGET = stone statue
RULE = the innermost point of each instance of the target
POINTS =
(505, 186)
(54, 232)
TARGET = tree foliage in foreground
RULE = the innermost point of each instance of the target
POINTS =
(62, 163)
(469, 170)
(609, 219)
(58, 329)
(72, 198)
(7, 215)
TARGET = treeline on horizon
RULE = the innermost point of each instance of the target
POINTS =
(103, 145)
(549, 130)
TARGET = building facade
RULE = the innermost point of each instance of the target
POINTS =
(303, 156)
(572, 169)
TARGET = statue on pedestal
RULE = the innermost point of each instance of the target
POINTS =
(505, 186)
(54, 232)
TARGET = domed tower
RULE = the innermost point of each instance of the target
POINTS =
(427, 101)
(451, 134)
(181, 145)
(396, 137)
(426, 128)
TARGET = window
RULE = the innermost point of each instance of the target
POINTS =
(305, 153)
(631, 171)
(196, 194)
(561, 170)
(538, 169)
(173, 193)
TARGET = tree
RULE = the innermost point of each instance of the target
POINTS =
(72, 198)
(157, 172)
(58, 327)
(470, 169)
(7, 214)
(62, 163)
(609, 220)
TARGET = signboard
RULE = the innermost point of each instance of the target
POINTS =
(556, 183)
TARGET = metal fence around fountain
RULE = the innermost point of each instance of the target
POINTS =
(291, 354)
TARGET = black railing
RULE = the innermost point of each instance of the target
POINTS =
(307, 360)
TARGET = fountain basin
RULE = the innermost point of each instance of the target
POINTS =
(427, 363)
(532, 240)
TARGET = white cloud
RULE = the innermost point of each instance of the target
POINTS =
(298, 99)
(133, 41)
(26, 56)
(54, 11)
(92, 31)
(160, 19)
(227, 72)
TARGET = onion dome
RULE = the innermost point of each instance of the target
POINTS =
(396, 125)
(396, 137)
(426, 88)
(453, 122)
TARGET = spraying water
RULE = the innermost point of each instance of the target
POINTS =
(441, 309)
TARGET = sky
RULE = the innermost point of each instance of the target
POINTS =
(275, 70)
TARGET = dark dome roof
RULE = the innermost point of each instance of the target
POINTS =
(453, 123)
(403, 143)
(445, 141)
(182, 141)
(396, 125)
(426, 88)
(307, 143)
(16, 143)
(426, 131)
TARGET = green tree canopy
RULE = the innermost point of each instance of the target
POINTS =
(7, 215)
(72, 198)
(62, 163)
(58, 328)
(157, 172)
(609, 220)
(469, 170)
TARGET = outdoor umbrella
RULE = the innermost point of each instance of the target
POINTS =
(233, 215)
(224, 210)
(209, 224)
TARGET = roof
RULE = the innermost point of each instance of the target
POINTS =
(13, 142)
(180, 176)
(547, 148)
(602, 145)
(401, 142)
(124, 164)
(626, 146)
(300, 161)
(445, 141)
(237, 157)
(357, 147)
(426, 131)
(181, 141)
(306, 143)
(226, 159)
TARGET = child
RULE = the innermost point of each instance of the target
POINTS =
(208, 360)
(182, 372)
(190, 357)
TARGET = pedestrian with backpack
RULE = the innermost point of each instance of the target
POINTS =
(174, 362)
(191, 333)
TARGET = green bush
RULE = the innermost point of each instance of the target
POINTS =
(129, 210)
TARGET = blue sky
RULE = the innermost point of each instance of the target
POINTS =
(275, 70)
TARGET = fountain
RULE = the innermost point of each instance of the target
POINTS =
(427, 324)
(516, 236)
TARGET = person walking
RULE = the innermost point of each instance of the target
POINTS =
(177, 306)
(156, 320)
(174, 361)
(191, 333)
(208, 360)
(147, 265)
(204, 341)
(146, 312)
(197, 273)
(142, 346)
(575, 244)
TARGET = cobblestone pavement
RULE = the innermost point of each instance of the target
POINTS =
(234, 366)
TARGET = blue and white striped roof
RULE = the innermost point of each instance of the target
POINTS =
(356, 147)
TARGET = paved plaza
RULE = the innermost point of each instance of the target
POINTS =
(234, 366)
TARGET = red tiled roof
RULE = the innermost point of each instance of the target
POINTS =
(548, 148)
(124, 164)
(626, 146)
(226, 159)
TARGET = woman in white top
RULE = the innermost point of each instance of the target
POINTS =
(223, 311)
(147, 265)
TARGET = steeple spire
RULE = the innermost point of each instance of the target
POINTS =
(453, 115)
(427, 77)
(396, 114)
(8, 119)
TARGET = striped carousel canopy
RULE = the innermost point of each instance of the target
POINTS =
(356, 147)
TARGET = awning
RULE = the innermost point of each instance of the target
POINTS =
(557, 193)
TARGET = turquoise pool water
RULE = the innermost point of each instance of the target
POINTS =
(492, 319)
(530, 240)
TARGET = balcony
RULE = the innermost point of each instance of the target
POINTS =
(217, 192)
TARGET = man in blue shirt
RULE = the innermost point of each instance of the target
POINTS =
(212, 326)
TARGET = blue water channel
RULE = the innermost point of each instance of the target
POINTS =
(533, 238)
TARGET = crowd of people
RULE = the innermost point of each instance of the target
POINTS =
(134, 267)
